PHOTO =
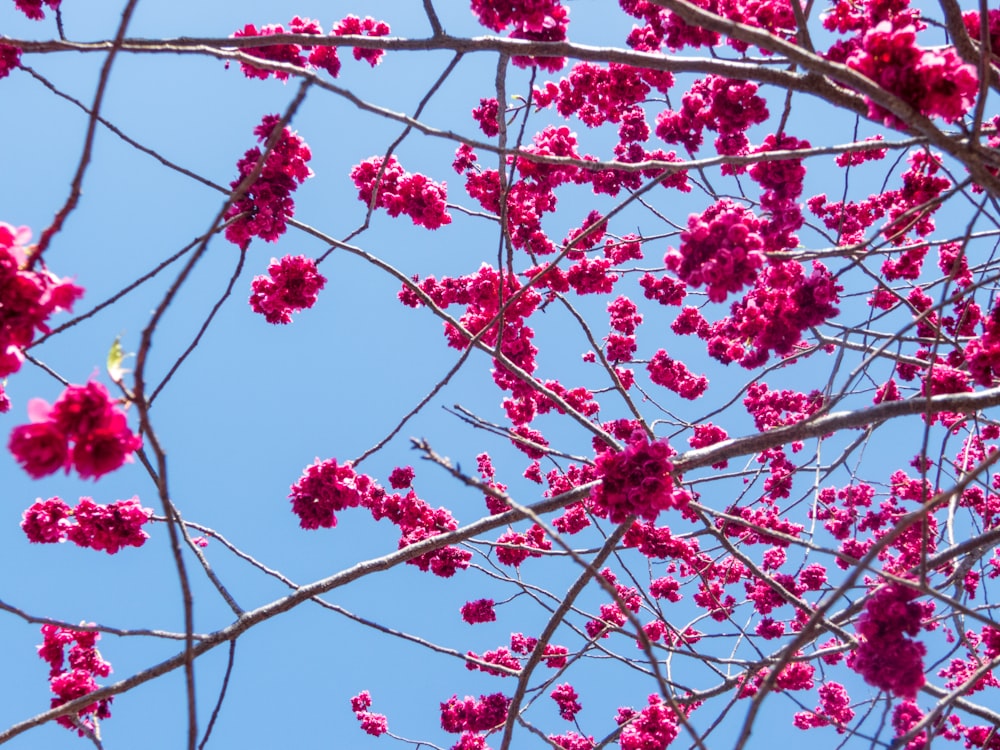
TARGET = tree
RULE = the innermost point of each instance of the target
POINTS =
(703, 455)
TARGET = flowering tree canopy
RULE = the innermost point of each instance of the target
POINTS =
(633, 366)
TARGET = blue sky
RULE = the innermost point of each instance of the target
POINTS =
(254, 404)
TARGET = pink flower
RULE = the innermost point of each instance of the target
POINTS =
(84, 417)
(292, 284)
(325, 487)
(10, 58)
(40, 448)
(46, 521)
(672, 374)
(400, 192)
(33, 8)
(478, 611)
(102, 527)
(368, 26)
(934, 82)
(470, 715)
(27, 298)
(401, 477)
(282, 53)
(566, 698)
(635, 481)
(109, 527)
(885, 657)
(721, 249)
(655, 726)
(374, 724)
(264, 209)
(85, 664)
(105, 449)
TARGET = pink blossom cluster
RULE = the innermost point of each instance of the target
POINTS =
(266, 205)
(572, 741)
(27, 298)
(654, 726)
(307, 56)
(674, 374)
(471, 715)
(665, 28)
(935, 82)
(781, 180)
(514, 547)
(84, 429)
(625, 320)
(726, 106)
(983, 352)
(973, 25)
(33, 8)
(760, 519)
(110, 527)
(482, 293)
(567, 699)
(834, 708)
(721, 249)
(708, 434)
(77, 678)
(327, 487)
(885, 656)
(372, 723)
(771, 409)
(636, 481)
(480, 610)
(385, 184)
(10, 58)
(533, 20)
(598, 94)
(553, 656)
(910, 208)
(773, 314)
(853, 158)
(292, 284)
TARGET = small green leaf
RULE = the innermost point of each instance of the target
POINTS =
(116, 356)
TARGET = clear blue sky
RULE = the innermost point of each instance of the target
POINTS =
(255, 404)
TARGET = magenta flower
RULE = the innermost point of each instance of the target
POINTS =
(292, 284)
